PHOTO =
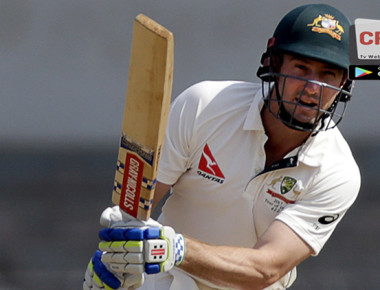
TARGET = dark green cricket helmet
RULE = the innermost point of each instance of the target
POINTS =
(316, 31)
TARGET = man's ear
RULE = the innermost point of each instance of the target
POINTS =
(277, 62)
(344, 79)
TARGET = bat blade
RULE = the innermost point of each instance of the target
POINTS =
(145, 117)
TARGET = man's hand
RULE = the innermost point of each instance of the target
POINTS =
(130, 247)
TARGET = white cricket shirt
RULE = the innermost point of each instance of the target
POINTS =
(214, 155)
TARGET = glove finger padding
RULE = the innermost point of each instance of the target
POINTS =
(99, 277)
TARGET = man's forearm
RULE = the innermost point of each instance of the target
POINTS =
(277, 252)
(231, 267)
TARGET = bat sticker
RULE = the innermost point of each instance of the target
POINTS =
(131, 189)
(141, 150)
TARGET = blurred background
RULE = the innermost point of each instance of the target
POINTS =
(63, 78)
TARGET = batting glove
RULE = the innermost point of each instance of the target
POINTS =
(130, 247)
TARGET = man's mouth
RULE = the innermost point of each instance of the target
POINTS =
(308, 103)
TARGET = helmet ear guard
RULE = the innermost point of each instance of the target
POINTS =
(347, 87)
(266, 66)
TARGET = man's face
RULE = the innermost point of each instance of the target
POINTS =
(309, 96)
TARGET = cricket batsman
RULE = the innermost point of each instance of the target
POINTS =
(259, 173)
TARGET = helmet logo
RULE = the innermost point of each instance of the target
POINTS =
(327, 24)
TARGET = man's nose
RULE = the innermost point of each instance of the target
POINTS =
(312, 88)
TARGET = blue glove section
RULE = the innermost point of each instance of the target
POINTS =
(152, 268)
(152, 233)
(105, 276)
(131, 234)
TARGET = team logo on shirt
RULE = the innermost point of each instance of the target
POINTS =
(287, 184)
(281, 191)
(208, 167)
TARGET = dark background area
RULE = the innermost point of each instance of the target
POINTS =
(63, 77)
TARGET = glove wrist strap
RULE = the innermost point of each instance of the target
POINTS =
(180, 249)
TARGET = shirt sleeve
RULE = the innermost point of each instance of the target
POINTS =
(184, 118)
(315, 216)
(176, 150)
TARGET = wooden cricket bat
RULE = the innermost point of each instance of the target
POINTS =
(145, 117)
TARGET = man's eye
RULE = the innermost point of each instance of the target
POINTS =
(301, 67)
(330, 73)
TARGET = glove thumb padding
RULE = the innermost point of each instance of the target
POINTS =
(114, 217)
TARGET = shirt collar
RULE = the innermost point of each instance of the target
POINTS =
(253, 120)
(314, 149)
